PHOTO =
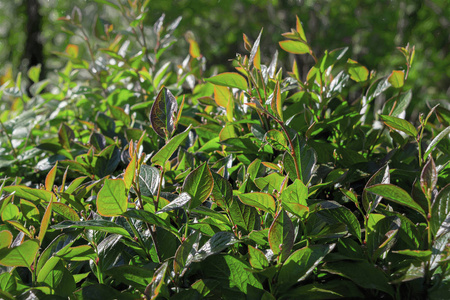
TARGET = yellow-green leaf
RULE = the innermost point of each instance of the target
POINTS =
(397, 78)
(112, 198)
(229, 79)
(294, 47)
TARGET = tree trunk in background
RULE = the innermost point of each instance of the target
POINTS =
(33, 52)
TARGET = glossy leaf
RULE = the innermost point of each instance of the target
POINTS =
(158, 281)
(281, 235)
(112, 199)
(257, 258)
(277, 140)
(152, 219)
(259, 200)
(293, 199)
(300, 264)
(185, 252)
(428, 178)
(163, 113)
(395, 194)
(45, 221)
(149, 178)
(229, 79)
(198, 184)
(255, 56)
(383, 236)
(345, 216)
(50, 179)
(440, 213)
(222, 95)
(179, 202)
(169, 148)
(214, 245)
(100, 225)
(400, 124)
(20, 256)
(443, 134)
(135, 276)
(371, 201)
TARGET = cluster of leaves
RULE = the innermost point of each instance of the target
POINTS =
(153, 181)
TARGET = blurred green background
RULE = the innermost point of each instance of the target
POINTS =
(371, 28)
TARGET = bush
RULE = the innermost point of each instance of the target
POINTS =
(129, 176)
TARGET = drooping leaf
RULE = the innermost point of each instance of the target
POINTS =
(100, 225)
(163, 113)
(277, 140)
(270, 183)
(399, 124)
(112, 199)
(281, 235)
(259, 200)
(20, 256)
(229, 79)
(300, 264)
(199, 184)
(243, 216)
(395, 194)
(222, 192)
(172, 145)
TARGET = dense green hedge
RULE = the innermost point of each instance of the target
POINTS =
(131, 173)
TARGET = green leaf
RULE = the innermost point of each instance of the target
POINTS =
(5, 238)
(357, 72)
(135, 276)
(371, 201)
(257, 258)
(300, 264)
(343, 215)
(259, 200)
(179, 202)
(233, 273)
(163, 113)
(45, 221)
(277, 140)
(149, 178)
(199, 184)
(112, 199)
(215, 244)
(29, 193)
(362, 273)
(281, 235)
(383, 236)
(294, 47)
(444, 133)
(271, 183)
(397, 79)
(172, 145)
(293, 199)
(398, 104)
(307, 158)
(222, 192)
(428, 178)
(59, 279)
(243, 216)
(20, 256)
(158, 281)
(299, 28)
(440, 213)
(255, 52)
(185, 253)
(399, 124)
(151, 218)
(397, 195)
(109, 3)
(229, 79)
(34, 72)
(100, 225)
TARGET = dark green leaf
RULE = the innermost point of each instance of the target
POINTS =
(400, 124)
(185, 253)
(370, 201)
(428, 178)
(281, 235)
(179, 202)
(164, 113)
(214, 245)
(172, 145)
(440, 213)
(199, 184)
(345, 216)
(100, 225)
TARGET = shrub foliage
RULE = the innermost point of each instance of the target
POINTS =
(127, 176)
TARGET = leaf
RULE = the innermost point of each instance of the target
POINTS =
(277, 140)
(72, 51)
(5, 239)
(270, 183)
(45, 221)
(222, 95)
(397, 79)
(259, 200)
(293, 199)
(66, 211)
(383, 236)
(179, 202)
(397, 195)
(34, 72)
(169, 148)
(294, 47)
(20, 256)
(277, 101)
(130, 171)
(222, 192)
(109, 3)
(112, 199)
(243, 216)
(255, 53)
(199, 184)
(428, 178)
(152, 219)
(398, 104)
(362, 273)
(299, 29)
(229, 79)
(356, 71)
(138, 277)
(185, 253)
(28, 193)
(281, 235)
(158, 281)
(300, 264)
(215, 244)
(100, 225)
(65, 135)
(149, 178)
(307, 158)
(440, 213)
(444, 133)
(371, 201)
(50, 178)
(343, 215)
(399, 124)
(163, 113)
(257, 258)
